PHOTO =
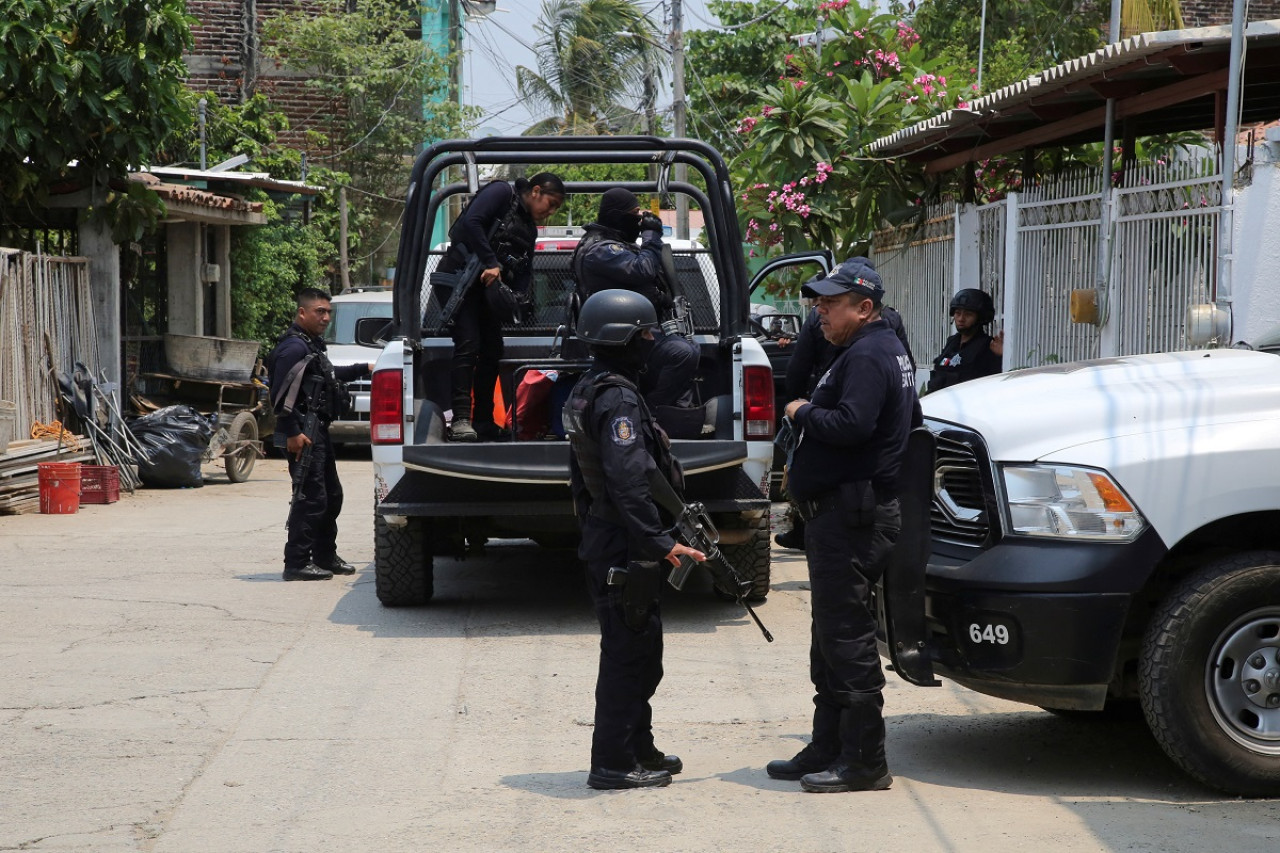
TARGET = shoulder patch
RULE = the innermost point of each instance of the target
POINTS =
(624, 432)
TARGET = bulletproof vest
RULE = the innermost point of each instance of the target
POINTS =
(335, 399)
(513, 242)
(578, 416)
(586, 288)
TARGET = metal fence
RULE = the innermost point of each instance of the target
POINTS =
(46, 316)
(1057, 252)
(1165, 251)
(917, 263)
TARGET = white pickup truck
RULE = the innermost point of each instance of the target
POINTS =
(1106, 531)
(434, 497)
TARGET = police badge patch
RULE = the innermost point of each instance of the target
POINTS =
(623, 431)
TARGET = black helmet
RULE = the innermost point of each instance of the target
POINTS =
(611, 318)
(977, 301)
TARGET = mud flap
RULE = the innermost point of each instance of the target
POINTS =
(902, 588)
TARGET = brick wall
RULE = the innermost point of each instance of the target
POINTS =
(1207, 13)
(225, 60)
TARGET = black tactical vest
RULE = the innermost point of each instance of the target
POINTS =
(514, 241)
(335, 399)
(578, 416)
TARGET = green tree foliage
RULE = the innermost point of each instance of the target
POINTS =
(372, 68)
(1022, 36)
(592, 60)
(90, 89)
(802, 174)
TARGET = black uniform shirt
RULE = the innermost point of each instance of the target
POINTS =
(857, 423)
(471, 229)
(961, 362)
(617, 424)
(604, 260)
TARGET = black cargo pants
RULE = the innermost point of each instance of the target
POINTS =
(313, 518)
(630, 666)
(846, 558)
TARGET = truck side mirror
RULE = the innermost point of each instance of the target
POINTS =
(374, 331)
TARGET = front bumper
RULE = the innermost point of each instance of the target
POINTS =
(1035, 621)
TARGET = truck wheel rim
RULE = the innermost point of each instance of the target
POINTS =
(1242, 681)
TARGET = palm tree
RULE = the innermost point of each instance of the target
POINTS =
(593, 55)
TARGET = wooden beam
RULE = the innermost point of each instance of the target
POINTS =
(1183, 90)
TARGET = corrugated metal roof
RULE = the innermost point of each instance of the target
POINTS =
(1092, 66)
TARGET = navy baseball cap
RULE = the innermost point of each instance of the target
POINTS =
(855, 275)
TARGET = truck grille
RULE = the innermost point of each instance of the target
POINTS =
(959, 513)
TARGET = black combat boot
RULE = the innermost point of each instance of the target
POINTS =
(620, 780)
(861, 765)
(659, 760)
(309, 572)
(337, 565)
(823, 749)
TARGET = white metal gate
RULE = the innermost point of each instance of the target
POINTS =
(1165, 251)
(1057, 252)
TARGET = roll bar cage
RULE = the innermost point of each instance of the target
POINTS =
(423, 200)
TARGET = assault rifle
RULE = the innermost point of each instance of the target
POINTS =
(465, 279)
(311, 429)
(694, 528)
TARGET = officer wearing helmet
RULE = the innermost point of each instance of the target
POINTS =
(970, 352)
(617, 449)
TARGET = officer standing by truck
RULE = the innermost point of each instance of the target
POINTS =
(311, 552)
(970, 353)
(812, 356)
(843, 474)
(499, 225)
(624, 536)
(608, 257)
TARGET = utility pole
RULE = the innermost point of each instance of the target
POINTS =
(677, 95)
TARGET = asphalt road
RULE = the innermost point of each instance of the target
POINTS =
(163, 690)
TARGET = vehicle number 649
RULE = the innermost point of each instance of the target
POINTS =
(995, 634)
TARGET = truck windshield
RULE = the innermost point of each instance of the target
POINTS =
(342, 328)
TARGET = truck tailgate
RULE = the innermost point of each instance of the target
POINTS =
(548, 461)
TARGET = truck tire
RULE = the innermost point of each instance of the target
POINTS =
(1209, 675)
(402, 562)
(752, 558)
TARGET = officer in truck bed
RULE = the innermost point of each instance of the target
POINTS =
(617, 449)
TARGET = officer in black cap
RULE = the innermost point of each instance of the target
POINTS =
(625, 537)
(970, 352)
(311, 552)
(608, 257)
(852, 435)
(812, 356)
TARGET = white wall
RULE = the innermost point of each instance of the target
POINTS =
(1256, 272)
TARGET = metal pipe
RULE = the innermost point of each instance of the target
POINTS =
(1226, 219)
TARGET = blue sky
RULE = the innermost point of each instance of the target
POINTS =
(494, 47)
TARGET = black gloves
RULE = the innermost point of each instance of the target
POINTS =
(650, 222)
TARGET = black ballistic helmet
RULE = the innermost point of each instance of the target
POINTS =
(977, 301)
(612, 318)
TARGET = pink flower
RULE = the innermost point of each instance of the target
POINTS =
(768, 111)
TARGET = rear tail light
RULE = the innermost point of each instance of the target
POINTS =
(757, 395)
(386, 407)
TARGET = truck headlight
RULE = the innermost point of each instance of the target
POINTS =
(1067, 502)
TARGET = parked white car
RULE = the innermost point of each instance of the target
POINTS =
(348, 307)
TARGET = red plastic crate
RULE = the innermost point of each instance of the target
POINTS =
(99, 484)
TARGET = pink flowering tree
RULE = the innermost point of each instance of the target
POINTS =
(803, 174)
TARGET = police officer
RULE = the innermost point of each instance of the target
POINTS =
(500, 225)
(624, 536)
(608, 257)
(311, 552)
(970, 352)
(852, 435)
(812, 356)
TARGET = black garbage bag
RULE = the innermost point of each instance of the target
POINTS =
(173, 441)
